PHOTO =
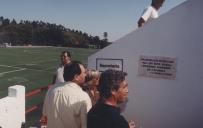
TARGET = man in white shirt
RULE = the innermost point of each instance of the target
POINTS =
(150, 12)
(65, 59)
(66, 105)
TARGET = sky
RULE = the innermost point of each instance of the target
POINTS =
(94, 17)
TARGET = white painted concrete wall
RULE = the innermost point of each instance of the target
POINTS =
(157, 102)
(12, 108)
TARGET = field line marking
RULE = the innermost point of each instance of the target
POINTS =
(13, 71)
(10, 66)
(39, 70)
(20, 69)
(38, 62)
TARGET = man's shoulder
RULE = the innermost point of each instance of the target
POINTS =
(59, 66)
(149, 9)
(54, 88)
(71, 87)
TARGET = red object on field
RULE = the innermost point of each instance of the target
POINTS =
(33, 92)
(32, 108)
(43, 119)
(36, 91)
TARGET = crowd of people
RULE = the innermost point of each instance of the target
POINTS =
(85, 98)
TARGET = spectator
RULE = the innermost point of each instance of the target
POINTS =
(92, 80)
(150, 12)
(65, 59)
(113, 90)
(66, 105)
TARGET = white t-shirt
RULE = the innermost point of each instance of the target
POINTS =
(149, 14)
(59, 74)
(66, 106)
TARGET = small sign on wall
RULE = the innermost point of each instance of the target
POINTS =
(103, 64)
(157, 67)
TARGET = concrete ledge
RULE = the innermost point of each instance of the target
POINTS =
(12, 108)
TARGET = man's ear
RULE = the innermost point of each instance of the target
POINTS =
(75, 78)
(113, 92)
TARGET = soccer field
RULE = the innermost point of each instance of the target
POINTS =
(33, 68)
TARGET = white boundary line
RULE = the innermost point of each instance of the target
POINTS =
(9, 66)
(19, 69)
(39, 70)
(12, 71)
(37, 62)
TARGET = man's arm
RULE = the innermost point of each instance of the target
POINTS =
(83, 114)
(85, 107)
(54, 79)
(141, 22)
(145, 16)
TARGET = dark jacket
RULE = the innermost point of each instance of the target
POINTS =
(105, 116)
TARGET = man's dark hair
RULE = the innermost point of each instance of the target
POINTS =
(110, 80)
(68, 53)
(155, 2)
(71, 69)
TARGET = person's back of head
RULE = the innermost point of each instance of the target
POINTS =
(110, 80)
(72, 69)
(92, 77)
(157, 3)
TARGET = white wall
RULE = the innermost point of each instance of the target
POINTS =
(158, 102)
(12, 108)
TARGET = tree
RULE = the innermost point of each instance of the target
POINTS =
(105, 36)
(13, 22)
(1, 20)
(41, 33)
(6, 22)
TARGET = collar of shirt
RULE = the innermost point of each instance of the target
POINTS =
(111, 108)
(72, 84)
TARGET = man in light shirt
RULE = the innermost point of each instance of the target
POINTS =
(66, 105)
(65, 59)
(150, 12)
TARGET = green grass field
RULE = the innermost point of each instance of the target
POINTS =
(33, 68)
